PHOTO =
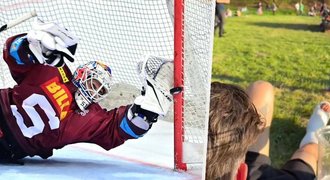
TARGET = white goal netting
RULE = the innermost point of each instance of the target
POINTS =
(119, 33)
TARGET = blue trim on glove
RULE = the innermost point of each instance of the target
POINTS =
(15, 47)
(127, 129)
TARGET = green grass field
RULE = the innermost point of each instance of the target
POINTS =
(288, 51)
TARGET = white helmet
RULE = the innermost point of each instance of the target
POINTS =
(94, 81)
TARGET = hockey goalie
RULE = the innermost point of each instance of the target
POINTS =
(50, 107)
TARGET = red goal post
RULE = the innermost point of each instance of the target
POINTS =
(119, 33)
(193, 44)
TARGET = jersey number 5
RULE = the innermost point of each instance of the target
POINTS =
(38, 123)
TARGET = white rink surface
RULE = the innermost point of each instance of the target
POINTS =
(150, 157)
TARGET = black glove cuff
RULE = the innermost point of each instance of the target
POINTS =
(52, 57)
(151, 116)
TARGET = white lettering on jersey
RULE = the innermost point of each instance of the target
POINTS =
(82, 113)
(38, 123)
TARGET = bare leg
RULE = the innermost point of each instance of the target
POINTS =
(309, 154)
(262, 95)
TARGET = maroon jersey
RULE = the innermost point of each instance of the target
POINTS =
(41, 111)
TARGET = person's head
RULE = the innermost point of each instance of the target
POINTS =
(94, 81)
(234, 124)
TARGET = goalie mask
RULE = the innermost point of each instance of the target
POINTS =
(94, 82)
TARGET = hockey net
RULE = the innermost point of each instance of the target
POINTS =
(119, 33)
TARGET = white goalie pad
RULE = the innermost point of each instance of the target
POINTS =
(157, 77)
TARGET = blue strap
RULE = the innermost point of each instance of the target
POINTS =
(15, 47)
(127, 129)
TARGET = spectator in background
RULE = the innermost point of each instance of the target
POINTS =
(238, 132)
(239, 12)
(297, 7)
(301, 8)
(259, 11)
(323, 9)
(312, 11)
(229, 13)
(244, 9)
(315, 6)
(221, 14)
(274, 7)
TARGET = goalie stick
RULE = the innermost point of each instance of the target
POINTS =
(18, 20)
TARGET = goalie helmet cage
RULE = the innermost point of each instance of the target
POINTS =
(119, 33)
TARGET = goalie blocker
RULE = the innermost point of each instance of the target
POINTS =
(51, 43)
(156, 96)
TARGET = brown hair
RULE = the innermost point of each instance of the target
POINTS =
(234, 124)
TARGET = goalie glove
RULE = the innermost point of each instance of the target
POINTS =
(51, 43)
(157, 77)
